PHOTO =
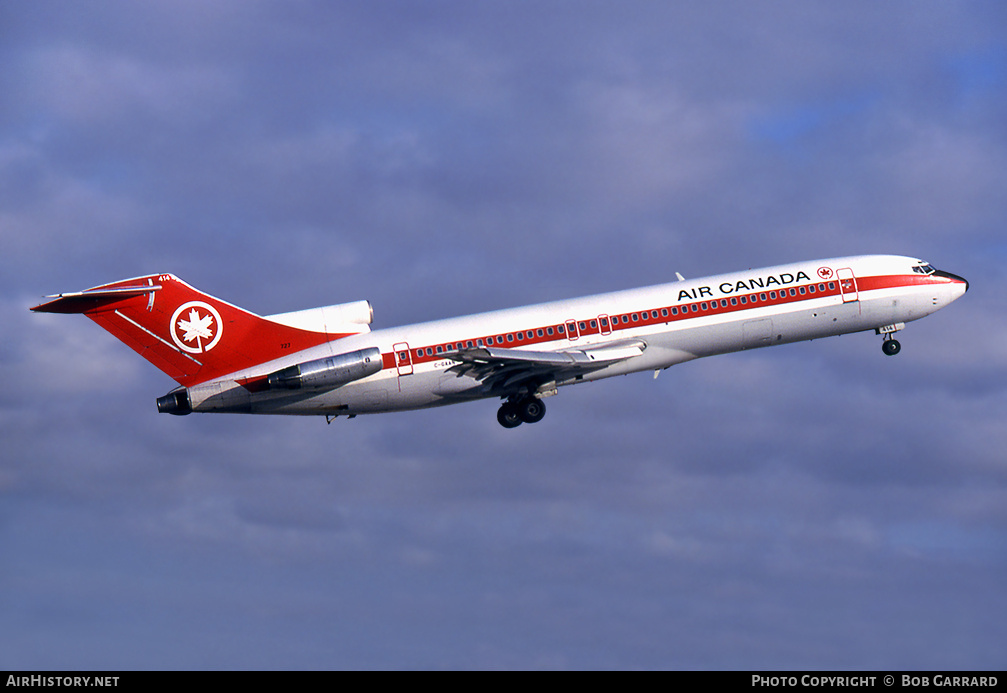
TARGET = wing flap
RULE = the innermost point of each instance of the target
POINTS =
(504, 370)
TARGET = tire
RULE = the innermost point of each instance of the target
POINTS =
(531, 410)
(891, 347)
(509, 416)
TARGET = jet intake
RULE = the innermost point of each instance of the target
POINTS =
(175, 402)
(327, 373)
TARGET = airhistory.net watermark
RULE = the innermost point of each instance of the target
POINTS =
(40, 680)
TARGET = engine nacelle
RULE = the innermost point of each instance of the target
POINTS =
(352, 318)
(327, 373)
(175, 402)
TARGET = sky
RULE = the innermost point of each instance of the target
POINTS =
(810, 506)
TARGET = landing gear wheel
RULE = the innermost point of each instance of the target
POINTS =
(531, 410)
(509, 415)
(891, 347)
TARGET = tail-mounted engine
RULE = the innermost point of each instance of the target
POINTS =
(175, 402)
(327, 373)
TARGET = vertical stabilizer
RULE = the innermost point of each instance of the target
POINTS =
(191, 336)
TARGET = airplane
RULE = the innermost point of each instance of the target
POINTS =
(327, 361)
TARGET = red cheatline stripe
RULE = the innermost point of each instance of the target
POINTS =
(684, 312)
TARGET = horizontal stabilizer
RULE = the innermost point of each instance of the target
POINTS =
(92, 299)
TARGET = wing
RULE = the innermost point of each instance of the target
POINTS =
(503, 371)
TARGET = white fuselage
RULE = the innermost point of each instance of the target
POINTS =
(676, 322)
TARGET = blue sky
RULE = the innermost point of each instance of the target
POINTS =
(809, 506)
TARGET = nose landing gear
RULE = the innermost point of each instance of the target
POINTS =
(891, 345)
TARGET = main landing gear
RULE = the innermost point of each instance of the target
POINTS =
(515, 412)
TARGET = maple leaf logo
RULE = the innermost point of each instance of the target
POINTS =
(195, 327)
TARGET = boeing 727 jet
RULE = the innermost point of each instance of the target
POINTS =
(327, 361)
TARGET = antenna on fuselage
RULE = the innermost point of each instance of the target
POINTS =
(680, 277)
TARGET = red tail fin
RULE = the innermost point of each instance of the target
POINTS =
(191, 336)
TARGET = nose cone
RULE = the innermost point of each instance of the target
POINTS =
(954, 278)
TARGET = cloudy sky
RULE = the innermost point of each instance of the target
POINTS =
(816, 505)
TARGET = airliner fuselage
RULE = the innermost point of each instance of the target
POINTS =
(521, 355)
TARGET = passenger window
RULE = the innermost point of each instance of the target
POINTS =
(560, 329)
(510, 338)
(695, 308)
(832, 286)
(540, 332)
(793, 292)
(440, 350)
(549, 331)
(664, 312)
(744, 299)
(803, 291)
(582, 326)
(811, 289)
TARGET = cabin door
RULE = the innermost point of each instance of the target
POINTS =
(604, 324)
(848, 285)
(403, 359)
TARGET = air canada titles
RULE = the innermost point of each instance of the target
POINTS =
(741, 285)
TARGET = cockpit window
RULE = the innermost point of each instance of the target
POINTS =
(923, 269)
